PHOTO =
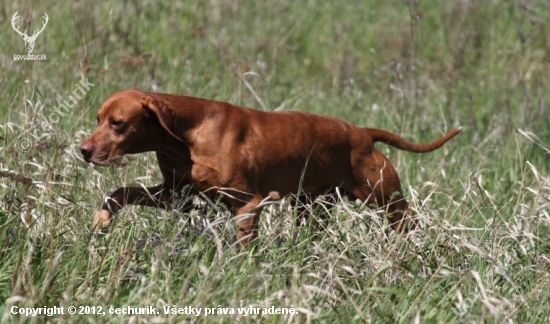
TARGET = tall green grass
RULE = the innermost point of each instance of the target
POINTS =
(412, 67)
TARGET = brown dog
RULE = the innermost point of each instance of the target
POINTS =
(244, 154)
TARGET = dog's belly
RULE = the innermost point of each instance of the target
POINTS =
(301, 177)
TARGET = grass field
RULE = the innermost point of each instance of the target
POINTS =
(416, 68)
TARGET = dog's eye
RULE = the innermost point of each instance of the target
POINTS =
(116, 124)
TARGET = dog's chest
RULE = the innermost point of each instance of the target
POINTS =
(175, 168)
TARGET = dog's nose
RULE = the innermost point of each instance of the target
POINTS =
(86, 149)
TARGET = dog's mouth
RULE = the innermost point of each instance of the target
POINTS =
(104, 160)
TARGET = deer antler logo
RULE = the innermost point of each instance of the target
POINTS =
(29, 40)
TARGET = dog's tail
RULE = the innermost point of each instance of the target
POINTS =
(397, 141)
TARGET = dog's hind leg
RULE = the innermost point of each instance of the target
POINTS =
(379, 185)
(248, 217)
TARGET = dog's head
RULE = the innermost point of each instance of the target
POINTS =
(129, 121)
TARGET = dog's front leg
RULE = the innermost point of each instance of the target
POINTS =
(158, 196)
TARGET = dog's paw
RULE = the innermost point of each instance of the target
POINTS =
(102, 219)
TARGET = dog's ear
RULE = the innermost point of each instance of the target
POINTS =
(164, 113)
